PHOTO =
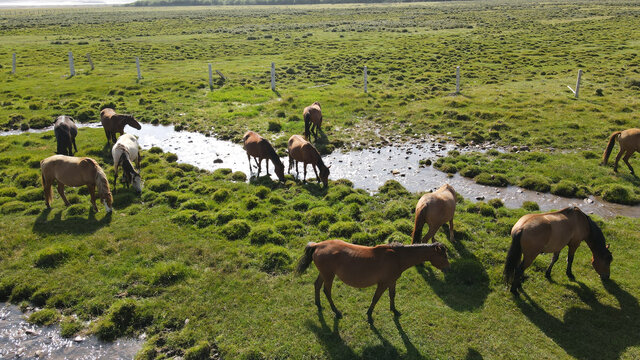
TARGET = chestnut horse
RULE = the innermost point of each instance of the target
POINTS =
(302, 150)
(629, 141)
(73, 171)
(550, 232)
(312, 115)
(260, 148)
(435, 209)
(114, 123)
(66, 131)
(124, 151)
(364, 266)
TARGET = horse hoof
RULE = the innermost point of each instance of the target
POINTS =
(514, 291)
(547, 275)
(396, 313)
(338, 315)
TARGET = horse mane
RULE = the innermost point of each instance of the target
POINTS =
(596, 240)
(101, 180)
(399, 245)
(321, 164)
(273, 155)
(126, 162)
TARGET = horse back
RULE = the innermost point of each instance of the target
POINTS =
(630, 139)
(551, 232)
(255, 145)
(128, 143)
(437, 207)
(302, 150)
(69, 170)
(314, 112)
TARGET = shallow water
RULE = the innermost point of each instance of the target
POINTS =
(368, 169)
(21, 340)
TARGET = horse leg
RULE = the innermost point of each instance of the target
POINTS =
(249, 159)
(290, 164)
(316, 172)
(392, 299)
(572, 251)
(259, 161)
(626, 161)
(615, 165)
(318, 285)
(267, 162)
(106, 132)
(61, 192)
(305, 172)
(328, 282)
(379, 290)
(74, 144)
(92, 193)
(451, 230)
(115, 177)
(553, 261)
(519, 277)
(431, 233)
(297, 171)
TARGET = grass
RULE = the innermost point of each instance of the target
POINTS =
(225, 285)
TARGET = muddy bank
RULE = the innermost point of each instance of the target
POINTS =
(21, 340)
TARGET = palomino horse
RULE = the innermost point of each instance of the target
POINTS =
(550, 232)
(114, 123)
(73, 171)
(124, 151)
(629, 141)
(312, 115)
(363, 266)
(435, 209)
(66, 132)
(260, 148)
(302, 150)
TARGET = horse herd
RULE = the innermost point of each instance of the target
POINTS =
(357, 266)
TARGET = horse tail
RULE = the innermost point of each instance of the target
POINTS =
(307, 125)
(513, 257)
(607, 151)
(48, 191)
(417, 226)
(306, 259)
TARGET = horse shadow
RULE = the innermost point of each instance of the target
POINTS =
(335, 347)
(600, 332)
(466, 286)
(71, 225)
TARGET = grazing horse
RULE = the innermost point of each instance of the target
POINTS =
(312, 115)
(73, 171)
(124, 151)
(302, 150)
(114, 123)
(364, 266)
(629, 141)
(260, 148)
(66, 131)
(550, 232)
(435, 209)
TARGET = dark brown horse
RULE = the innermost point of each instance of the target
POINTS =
(629, 141)
(550, 232)
(312, 115)
(66, 131)
(434, 209)
(73, 171)
(363, 266)
(260, 148)
(302, 150)
(114, 123)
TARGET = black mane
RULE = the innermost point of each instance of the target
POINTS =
(596, 240)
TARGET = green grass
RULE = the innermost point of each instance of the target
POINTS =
(137, 270)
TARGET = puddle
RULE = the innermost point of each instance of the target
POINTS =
(21, 340)
(367, 169)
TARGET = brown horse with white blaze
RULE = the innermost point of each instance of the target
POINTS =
(434, 209)
(302, 150)
(73, 171)
(312, 115)
(550, 232)
(114, 123)
(629, 141)
(260, 148)
(363, 266)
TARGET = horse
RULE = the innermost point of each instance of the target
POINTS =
(66, 131)
(550, 232)
(73, 171)
(629, 141)
(312, 115)
(435, 209)
(114, 123)
(260, 148)
(363, 266)
(124, 151)
(302, 150)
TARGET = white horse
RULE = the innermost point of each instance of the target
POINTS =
(124, 151)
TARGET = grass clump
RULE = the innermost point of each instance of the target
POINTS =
(565, 188)
(69, 327)
(344, 229)
(491, 179)
(123, 318)
(530, 206)
(317, 215)
(158, 185)
(535, 183)
(44, 317)
(167, 273)
(396, 210)
(13, 207)
(52, 256)
(185, 217)
(263, 234)
(620, 194)
(235, 229)
(201, 351)
(276, 260)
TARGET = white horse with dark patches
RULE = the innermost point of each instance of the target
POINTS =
(124, 152)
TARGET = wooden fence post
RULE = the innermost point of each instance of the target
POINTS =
(273, 76)
(457, 80)
(365, 79)
(13, 68)
(210, 78)
(138, 67)
(72, 69)
(90, 62)
(576, 92)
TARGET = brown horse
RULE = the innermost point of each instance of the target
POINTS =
(550, 232)
(260, 148)
(73, 171)
(114, 123)
(629, 141)
(312, 115)
(435, 209)
(302, 150)
(364, 266)
(66, 131)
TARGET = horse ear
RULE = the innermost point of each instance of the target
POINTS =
(329, 167)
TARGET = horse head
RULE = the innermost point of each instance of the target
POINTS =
(131, 121)
(324, 175)
(136, 182)
(280, 171)
(440, 260)
(602, 264)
